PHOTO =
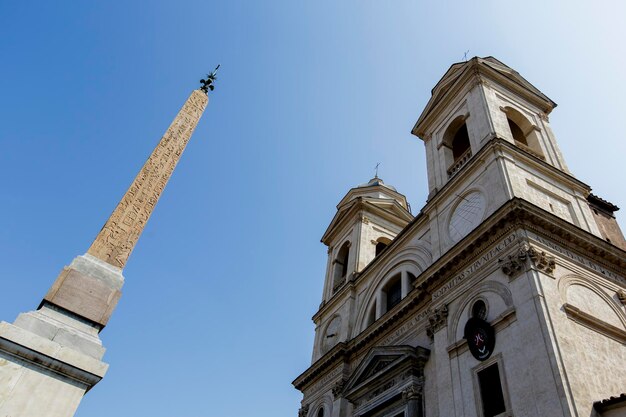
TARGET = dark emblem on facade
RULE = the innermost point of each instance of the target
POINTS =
(481, 338)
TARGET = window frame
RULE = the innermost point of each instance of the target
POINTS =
(494, 359)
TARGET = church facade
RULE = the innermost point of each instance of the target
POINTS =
(504, 296)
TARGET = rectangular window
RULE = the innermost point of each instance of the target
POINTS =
(394, 294)
(491, 391)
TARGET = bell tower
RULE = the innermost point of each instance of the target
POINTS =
(509, 285)
(488, 140)
(368, 218)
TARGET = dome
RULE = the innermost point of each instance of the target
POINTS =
(376, 181)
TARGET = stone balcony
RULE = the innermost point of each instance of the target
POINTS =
(459, 163)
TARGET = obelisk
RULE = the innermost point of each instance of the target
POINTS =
(50, 357)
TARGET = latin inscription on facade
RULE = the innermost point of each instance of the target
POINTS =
(475, 266)
(406, 327)
(322, 383)
(577, 258)
(117, 238)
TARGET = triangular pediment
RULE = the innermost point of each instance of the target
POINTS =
(462, 72)
(387, 208)
(378, 364)
(381, 362)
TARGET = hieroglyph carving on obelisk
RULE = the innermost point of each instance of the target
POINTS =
(117, 238)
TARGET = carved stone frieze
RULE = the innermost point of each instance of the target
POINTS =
(120, 233)
(437, 319)
(378, 391)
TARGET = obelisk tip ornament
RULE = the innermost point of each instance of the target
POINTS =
(207, 83)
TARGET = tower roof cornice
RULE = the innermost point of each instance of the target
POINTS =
(387, 209)
(477, 71)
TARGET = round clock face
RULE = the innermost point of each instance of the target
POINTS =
(467, 215)
(331, 337)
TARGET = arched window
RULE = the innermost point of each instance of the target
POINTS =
(320, 413)
(524, 133)
(393, 292)
(381, 244)
(456, 145)
(518, 134)
(412, 279)
(460, 143)
(479, 310)
(371, 316)
(341, 265)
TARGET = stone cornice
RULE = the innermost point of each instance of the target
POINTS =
(493, 146)
(476, 72)
(513, 215)
(51, 356)
(341, 218)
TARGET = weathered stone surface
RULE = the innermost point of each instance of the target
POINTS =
(120, 233)
(531, 259)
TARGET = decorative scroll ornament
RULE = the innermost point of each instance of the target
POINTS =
(303, 411)
(514, 264)
(436, 320)
(338, 388)
(542, 260)
(412, 392)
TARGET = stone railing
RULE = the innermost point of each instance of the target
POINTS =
(459, 163)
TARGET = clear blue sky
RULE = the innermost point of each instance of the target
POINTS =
(215, 316)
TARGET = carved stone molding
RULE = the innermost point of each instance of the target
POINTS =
(413, 392)
(514, 264)
(621, 296)
(437, 319)
(542, 260)
(338, 388)
(303, 411)
(544, 117)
